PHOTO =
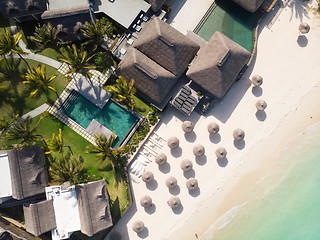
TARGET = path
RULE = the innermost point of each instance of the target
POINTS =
(35, 112)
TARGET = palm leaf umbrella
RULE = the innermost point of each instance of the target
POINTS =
(186, 165)
(213, 128)
(192, 183)
(146, 201)
(257, 80)
(173, 142)
(147, 176)
(261, 105)
(138, 226)
(161, 158)
(198, 150)
(171, 182)
(238, 134)
(304, 28)
(174, 202)
(221, 152)
(187, 126)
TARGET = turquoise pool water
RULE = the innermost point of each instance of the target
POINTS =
(112, 116)
(230, 19)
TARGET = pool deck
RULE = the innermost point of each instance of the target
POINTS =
(183, 16)
(97, 128)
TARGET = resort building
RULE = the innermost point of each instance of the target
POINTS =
(27, 177)
(249, 5)
(82, 207)
(218, 65)
(156, 61)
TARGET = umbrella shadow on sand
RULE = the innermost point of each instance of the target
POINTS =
(175, 190)
(144, 233)
(194, 192)
(257, 91)
(190, 137)
(302, 41)
(178, 210)
(215, 138)
(202, 160)
(189, 174)
(239, 144)
(176, 152)
(165, 168)
(151, 209)
(153, 185)
(222, 162)
(261, 115)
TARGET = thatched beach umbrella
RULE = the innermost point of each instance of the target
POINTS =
(261, 105)
(187, 126)
(138, 226)
(192, 183)
(171, 182)
(146, 201)
(238, 134)
(221, 152)
(147, 176)
(198, 150)
(304, 28)
(174, 202)
(173, 142)
(186, 165)
(257, 80)
(161, 158)
(213, 128)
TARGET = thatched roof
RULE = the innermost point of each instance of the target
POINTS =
(39, 217)
(156, 4)
(28, 175)
(94, 209)
(249, 5)
(68, 21)
(218, 64)
(20, 8)
(166, 46)
(150, 79)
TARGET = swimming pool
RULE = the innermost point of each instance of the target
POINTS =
(112, 116)
(230, 19)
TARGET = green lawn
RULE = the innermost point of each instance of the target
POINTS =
(119, 196)
(16, 98)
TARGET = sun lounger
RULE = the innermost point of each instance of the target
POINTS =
(183, 95)
(123, 51)
(133, 165)
(150, 150)
(146, 159)
(186, 91)
(145, 18)
(136, 167)
(154, 141)
(139, 169)
(186, 88)
(192, 100)
(130, 41)
(185, 110)
(142, 171)
(138, 28)
(177, 103)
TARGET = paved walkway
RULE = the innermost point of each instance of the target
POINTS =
(35, 112)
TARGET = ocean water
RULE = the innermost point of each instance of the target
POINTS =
(287, 210)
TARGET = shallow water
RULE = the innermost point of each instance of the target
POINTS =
(290, 210)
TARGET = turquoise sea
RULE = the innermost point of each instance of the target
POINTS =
(290, 210)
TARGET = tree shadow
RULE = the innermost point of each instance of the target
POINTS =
(302, 41)
(178, 210)
(215, 138)
(175, 190)
(261, 115)
(239, 144)
(189, 174)
(194, 192)
(153, 185)
(165, 168)
(144, 233)
(176, 152)
(115, 209)
(150, 210)
(257, 91)
(201, 160)
(190, 137)
(222, 162)
(299, 8)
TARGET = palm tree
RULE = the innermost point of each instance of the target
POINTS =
(66, 168)
(95, 31)
(78, 61)
(38, 81)
(9, 45)
(56, 144)
(103, 149)
(45, 36)
(22, 131)
(123, 91)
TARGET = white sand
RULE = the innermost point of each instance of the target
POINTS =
(291, 78)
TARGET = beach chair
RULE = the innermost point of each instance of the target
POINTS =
(132, 165)
(139, 169)
(141, 160)
(141, 172)
(123, 51)
(192, 100)
(135, 167)
(138, 28)
(177, 103)
(130, 41)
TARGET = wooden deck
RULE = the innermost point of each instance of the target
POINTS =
(267, 5)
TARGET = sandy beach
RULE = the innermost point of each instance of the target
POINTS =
(289, 65)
